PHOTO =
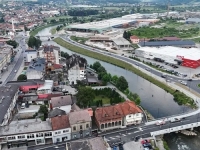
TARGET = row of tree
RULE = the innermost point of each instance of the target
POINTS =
(82, 12)
(34, 42)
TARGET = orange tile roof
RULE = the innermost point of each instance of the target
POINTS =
(116, 112)
(60, 122)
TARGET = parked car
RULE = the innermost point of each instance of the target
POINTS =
(189, 79)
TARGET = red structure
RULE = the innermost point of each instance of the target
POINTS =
(27, 88)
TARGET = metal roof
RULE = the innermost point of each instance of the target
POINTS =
(121, 41)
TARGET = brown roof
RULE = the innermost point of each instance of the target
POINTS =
(79, 116)
(116, 112)
(134, 37)
(61, 101)
(60, 122)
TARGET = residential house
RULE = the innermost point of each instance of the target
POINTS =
(80, 123)
(117, 116)
(61, 102)
(134, 39)
(76, 68)
(8, 98)
(61, 128)
(51, 54)
(6, 57)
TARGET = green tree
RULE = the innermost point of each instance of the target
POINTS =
(101, 69)
(12, 43)
(44, 110)
(115, 79)
(122, 84)
(85, 96)
(96, 65)
(64, 54)
(105, 79)
(22, 77)
(34, 42)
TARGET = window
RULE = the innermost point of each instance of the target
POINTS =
(81, 127)
(21, 136)
(29, 136)
(130, 116)
(11, 138)
(87, 125)
(40, 141)
(39, 135)
(48, 134)
(64, 131)
(58, 140)
(74, 128)
(74, 136)
(58, 132)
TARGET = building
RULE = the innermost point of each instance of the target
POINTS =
(183, 44)
(96, 143)
(29, 54)
(61, 102)
(117, 116)
(26, 132)
(122, 44)
(51, 54)
(76, 68)
(6, 57)
(8, 98)
(47, 88)
(192, 20)
(36, 69)
(61, 128)
(51, 12)
(56, 112)
(172, 55)
(81, 123)
(134, 39)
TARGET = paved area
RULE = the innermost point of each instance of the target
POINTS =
(68, 88)
(136, 145)
(19, 72)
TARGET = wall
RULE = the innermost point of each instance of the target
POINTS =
(133, 119)
(28, 56)
(61, 135)
(85, 131)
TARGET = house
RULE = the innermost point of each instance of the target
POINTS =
(117, 116)
(61, 102)
(56, 112)
(36, 69)
(122, 44)
(8, 98)
(134, 39)
(29, 54)
(76, 68)
(6, 57)
(80, 123)
(61, 128)
(50, 53)
(96, 143)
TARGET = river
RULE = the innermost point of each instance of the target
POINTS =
(158, 102)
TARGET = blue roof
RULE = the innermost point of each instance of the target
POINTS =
(168, 43)
(37, 64)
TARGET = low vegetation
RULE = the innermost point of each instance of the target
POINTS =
(81, 40)
(129, 67)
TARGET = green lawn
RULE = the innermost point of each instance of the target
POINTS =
(198, 85)
(60, 17)
(53, 31)
(105, 100)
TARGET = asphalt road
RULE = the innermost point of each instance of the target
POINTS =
(191, 84)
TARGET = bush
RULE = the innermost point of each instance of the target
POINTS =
(22, 77)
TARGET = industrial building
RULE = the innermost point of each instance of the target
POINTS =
(173, 55)
(102, 26)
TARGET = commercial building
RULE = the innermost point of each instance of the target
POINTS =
(173, 55)
(51, 54)
(29, 54)
(183, 44)
(8, 98)
(76, 67)
(81, 123)
(122, 44)
(36, 69)
(102, 26)
(117, 116)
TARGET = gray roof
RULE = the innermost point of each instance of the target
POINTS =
(75, 107)
(196, 20)
(37, 64)
(74, 60)
(121, 41)
(56, 112)
(96, 143)
(61, 101)
(50, 48)
(6, 97)
(79, 116)
(168, 43)
(25, 126)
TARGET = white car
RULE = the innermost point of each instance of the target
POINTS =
(15, 71)
(183, 82)
(160, 122)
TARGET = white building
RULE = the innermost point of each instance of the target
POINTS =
(29, 55)
(6, 53)
(122, 44)
(52, 12)
(8, 97)
(76, 66)
(46, 88)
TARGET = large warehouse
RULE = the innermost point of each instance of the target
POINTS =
(173, 55)
(102, 26)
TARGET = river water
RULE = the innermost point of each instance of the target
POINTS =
(154, 99)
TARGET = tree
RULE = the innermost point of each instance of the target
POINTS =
(34, 42)
(64, 54)
(105, 79)
(85, 96)
(43, 110)
(101, 69)
(12, 43)
(125, 35)
(96, 65)
(122, 84)
(22, 77)
(114, 79)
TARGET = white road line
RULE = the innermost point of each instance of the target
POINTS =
(123, 134)
(129, 133)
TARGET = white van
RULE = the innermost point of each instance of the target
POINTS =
(23, 106)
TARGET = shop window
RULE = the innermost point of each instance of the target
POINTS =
(40, 141)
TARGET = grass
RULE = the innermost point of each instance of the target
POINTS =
(198, 85)
(81, 40)
(166, 145)
(129, 67)
(196, 40)
(25, 68)
(53, 30)
(104, 99)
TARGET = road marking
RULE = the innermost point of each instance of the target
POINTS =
(129, 133)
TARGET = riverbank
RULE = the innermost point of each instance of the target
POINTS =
(179, 97)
